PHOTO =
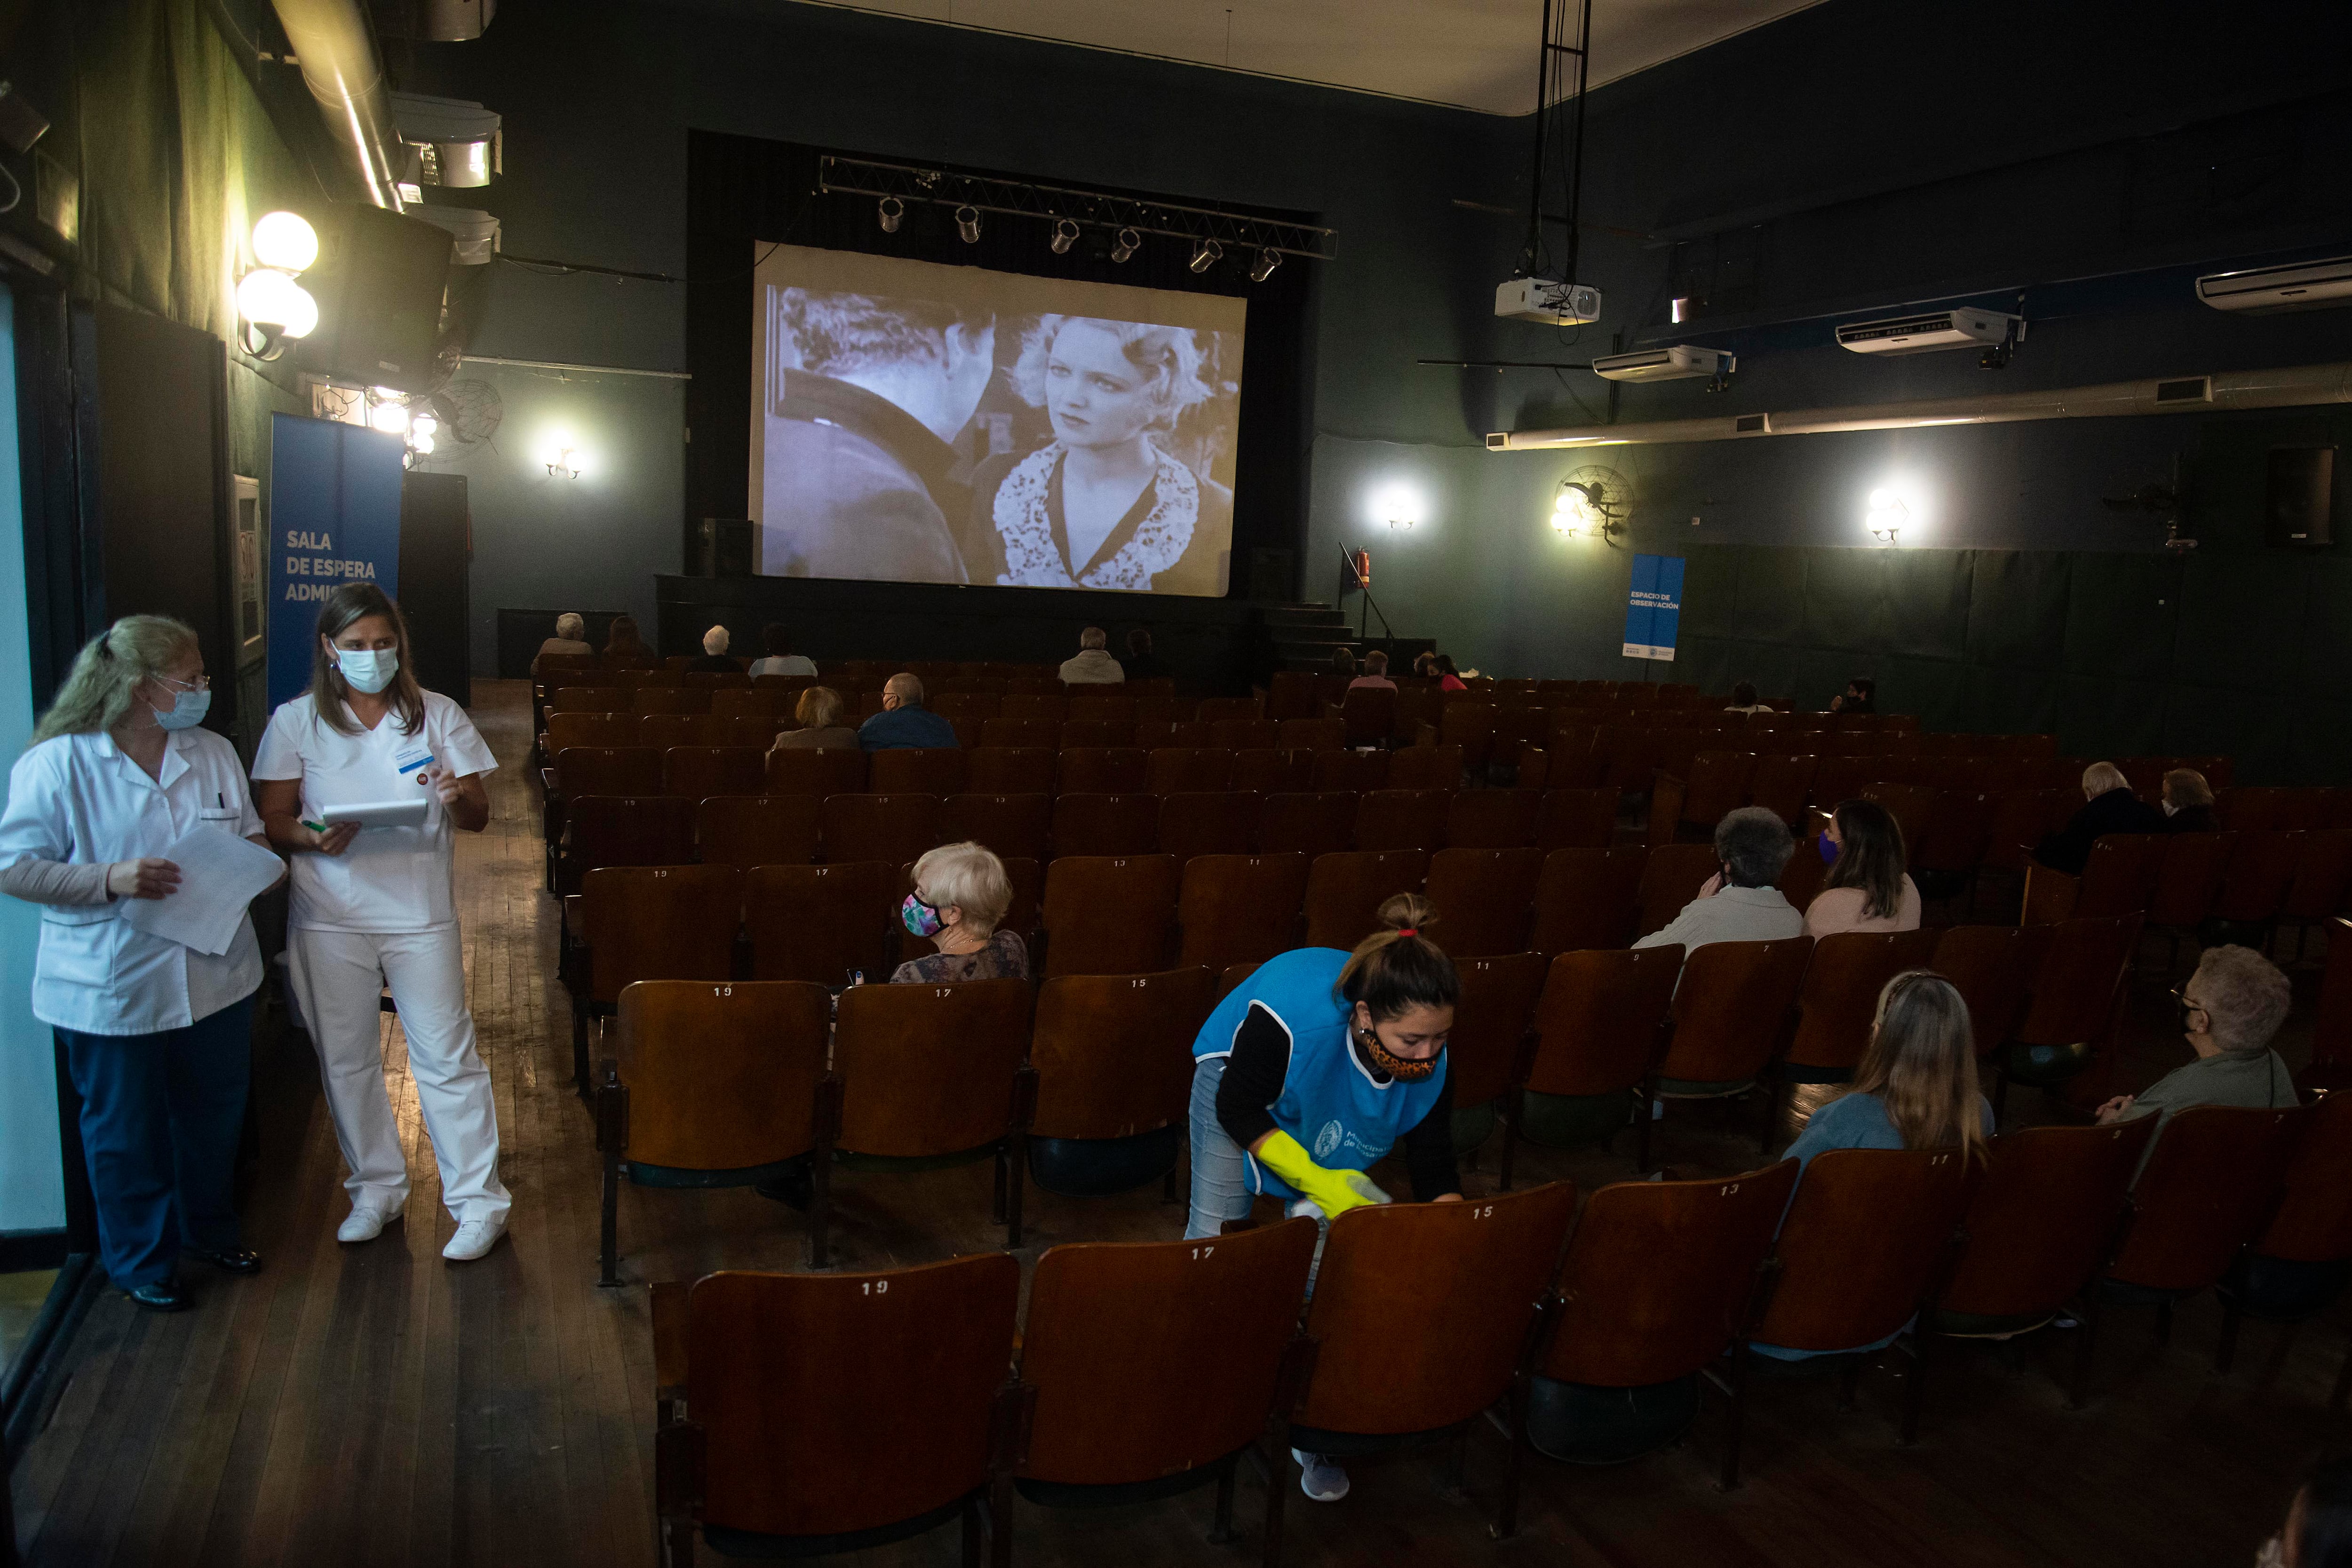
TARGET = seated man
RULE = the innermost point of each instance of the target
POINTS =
(1141, 663)
(905, 724)
(714, 655)
(571, 640)
(1093, 665)
(2109, 807)
(1740, 903)
(1376, 672)
(2229, 1011)
(1861, 696)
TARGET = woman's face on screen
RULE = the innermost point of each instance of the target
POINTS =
(1095, 394)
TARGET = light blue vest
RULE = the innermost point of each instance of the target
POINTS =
(1329, 1102)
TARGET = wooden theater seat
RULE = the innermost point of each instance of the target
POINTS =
(1600, 1031)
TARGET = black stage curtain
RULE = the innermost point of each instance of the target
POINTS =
(743, 191)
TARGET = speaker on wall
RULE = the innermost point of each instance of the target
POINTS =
(378, 280)
(725, 547)
(2299, 500)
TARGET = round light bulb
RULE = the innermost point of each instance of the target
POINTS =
(285, 240)
(268, 297)
(420, 441)
(1564, 503)
(389, 417)
(424, 425)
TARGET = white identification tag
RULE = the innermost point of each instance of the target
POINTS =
(412, 762)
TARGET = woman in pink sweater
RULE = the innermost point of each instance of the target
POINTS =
(1867, 887)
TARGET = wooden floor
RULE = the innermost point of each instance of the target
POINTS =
(372, 1405)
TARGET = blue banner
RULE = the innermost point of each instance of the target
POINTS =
(1654, 608)
(334, 517)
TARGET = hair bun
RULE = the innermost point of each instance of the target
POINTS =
(1408, 914)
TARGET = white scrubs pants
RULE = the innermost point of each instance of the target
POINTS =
(339, 977)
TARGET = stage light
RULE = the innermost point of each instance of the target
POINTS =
(1065, 234)
(1206, 254)
(968, 224)
(285, 241)
(1262, 268)
(891, 210)
(392, 419)
(1127, 243)
(1885, 516)
(424, 425)
(421, 442)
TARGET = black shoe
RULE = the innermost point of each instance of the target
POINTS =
(794, 1189)
(236, 1260)
(160, 1296)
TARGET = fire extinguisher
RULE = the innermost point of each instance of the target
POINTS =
(1361, 561)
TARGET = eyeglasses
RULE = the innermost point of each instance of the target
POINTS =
(2181, 999)
(201, 683)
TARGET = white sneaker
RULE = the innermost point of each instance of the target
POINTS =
(474, 1238)
(1320, 1478)
(366, 1223)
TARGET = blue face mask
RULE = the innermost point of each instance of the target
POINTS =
(366, 669)
(1829, 850)
(919, 918)
(187, 709)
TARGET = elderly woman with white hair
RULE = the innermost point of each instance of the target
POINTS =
(1104, 504)
(2230, 1010)
(714, 659)
(2108, 806)
(960, 893)
(570, 641)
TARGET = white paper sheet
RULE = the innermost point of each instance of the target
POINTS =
(220, 873)
(408, 813)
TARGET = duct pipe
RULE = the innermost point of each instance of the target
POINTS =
(337, 52)
(2289, 387)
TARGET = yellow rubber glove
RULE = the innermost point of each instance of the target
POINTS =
(1334, 1192)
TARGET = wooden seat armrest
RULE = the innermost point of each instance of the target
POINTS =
(669, 1339)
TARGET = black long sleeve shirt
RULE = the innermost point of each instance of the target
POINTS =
(1253, 1077)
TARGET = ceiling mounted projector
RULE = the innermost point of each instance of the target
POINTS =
(1541, 300)
(1963, 328)
(2268, 291)
(1679, 362)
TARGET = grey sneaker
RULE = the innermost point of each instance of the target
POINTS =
(1321, 1479)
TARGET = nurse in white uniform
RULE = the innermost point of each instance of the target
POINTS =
(374, 907)
(158, 1036)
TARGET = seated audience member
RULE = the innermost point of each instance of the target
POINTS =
(960, 893)
(1752, 847)
(621, 644)
(905, 724)
(1424, 665)
(2229, 1011)
(819, 711)
(2109, 807)
(1861, 696)
(570, 641)
(1867, 887)
(2187, 803)
(1744, 701)
(1092, 665)
(1448, 678)
(1141, 663)
(2318, 1528)
(1343, 661)
(1376, 672)
(1916, 1089)
(779, 659)
(713, 658)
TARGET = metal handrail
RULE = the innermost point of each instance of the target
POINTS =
(1348, 559)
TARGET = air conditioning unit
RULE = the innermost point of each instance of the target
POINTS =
(1963, 328)
(1678, 361)
(2267, 290)
(1541, 300)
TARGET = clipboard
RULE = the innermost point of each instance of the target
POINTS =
(408, 813)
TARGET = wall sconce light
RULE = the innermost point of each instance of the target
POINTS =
(1401, 522)
(1885, 516)
(565, 463)
(273, 308)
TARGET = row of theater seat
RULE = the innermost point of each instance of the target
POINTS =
(1143, 1369)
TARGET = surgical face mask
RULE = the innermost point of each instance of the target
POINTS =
(368, 669)
(1829, 850)
(919, 918)
(187, 709)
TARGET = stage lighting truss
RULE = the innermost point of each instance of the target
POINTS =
(1069, 212)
